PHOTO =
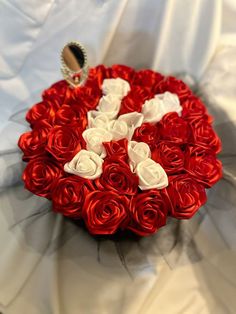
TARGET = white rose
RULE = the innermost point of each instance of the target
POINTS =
(151, 175)
(110, 105)
(133, 120)
(85, 164)
(137, 151)
(154, 109)
(118, 129)
(115, 86)
(97, 119)
(94, 138)
(170, 102)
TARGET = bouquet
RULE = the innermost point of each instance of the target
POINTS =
(123, 151)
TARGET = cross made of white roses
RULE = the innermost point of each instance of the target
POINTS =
(105, 125)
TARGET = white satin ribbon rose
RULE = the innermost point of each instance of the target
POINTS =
(151, 175)
(94, 138)
(85, 164)
(133, 121)
(115, 86)
(110, 105)
(170, 102)
(154, 109)
(137, 152)
(118, 129)
(97, 119)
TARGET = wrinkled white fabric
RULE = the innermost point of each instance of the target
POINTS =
(48, 264)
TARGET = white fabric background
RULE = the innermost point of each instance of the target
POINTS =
(47, 265)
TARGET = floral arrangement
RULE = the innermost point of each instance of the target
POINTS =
(124, 151)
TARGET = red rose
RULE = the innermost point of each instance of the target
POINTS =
(68, 195)
(170, 156)
(135, 99)
(41, 111)
(122, 71)
(53, 98)
(56, 94)
(39, 175)
(147, 133)
(203, 166)
(204, 135)
(186, 196)
(69, 114)
(148, 212)
(64, 142)
(114, 148)
(117, 176)
(105, 212)
(33, 143)
(174, 129)
(175, 86)
(98, 74)
(85, 97)
(148, 78)
(194, 110)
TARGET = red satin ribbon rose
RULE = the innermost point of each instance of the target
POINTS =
(105, 211)
(148, 212)
(68, 195)
(40, 174)
(186, 196)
